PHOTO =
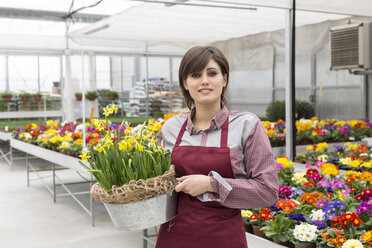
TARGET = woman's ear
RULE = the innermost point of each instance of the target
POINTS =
(225, 80)
(185, 84)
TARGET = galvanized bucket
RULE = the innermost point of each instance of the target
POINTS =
(143, 214)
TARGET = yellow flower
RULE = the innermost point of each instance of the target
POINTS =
(352, 147)
(266, 124)
(33, 126)
(321, 146)
(355, 163)
(128, 131)
(123, 146)
(100, 149)
(340, 196)
(114, 108)
(284, 161)
(158, 126)
(246, 213)
(270, 132)
(329, 169)
(84, 157)
(345, 161)
(309, 148)
(139, 147)
(107, 111)
(323, 158)
(299, 177)
(79, 141)
(50, 123)
(314, 118)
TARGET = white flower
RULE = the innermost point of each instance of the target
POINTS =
(352, 243)
(28, 136)
(317, 214)
(79, 128)
(305, 232)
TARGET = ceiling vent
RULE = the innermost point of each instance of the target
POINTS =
(351, 46)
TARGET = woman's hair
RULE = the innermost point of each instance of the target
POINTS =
(195, 60)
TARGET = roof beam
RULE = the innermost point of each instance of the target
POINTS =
(46, 15)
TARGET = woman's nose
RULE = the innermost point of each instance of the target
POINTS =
(205, 79)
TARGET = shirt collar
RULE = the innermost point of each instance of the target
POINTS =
(216, 123)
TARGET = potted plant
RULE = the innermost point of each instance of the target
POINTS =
(7, 96)
(305, 235)
(91, 95)
(78, 96)
(279, 228)
(126, 165)
(24, 96)
(259, 218)
(37, 97)
(112, 95)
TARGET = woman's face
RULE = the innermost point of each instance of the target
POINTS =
(205, 87)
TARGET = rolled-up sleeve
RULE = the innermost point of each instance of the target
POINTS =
(260, 187)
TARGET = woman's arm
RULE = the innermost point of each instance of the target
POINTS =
(260, 188)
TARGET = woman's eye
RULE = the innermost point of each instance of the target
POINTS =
(195, 75)
(212, 73)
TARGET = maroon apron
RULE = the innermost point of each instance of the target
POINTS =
(202, 224)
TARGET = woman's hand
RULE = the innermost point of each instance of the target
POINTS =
(194, 184)
(93, 193)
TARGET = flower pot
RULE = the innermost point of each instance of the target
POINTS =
(79, 97)
(258, 232)
(24, 98)
(277, 241)
(37, 98)
(7, 98)
(308, 245)
(143, 214)
(248, 228)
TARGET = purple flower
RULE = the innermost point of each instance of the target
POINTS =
(284, 192)
(330, 127)
(323, 183)
(279, 166)
(344, 130)
(299, 218)
(364, 207)
(297, 192)
(319, 163)
(321, 203)
(320, 224)
(339, 148)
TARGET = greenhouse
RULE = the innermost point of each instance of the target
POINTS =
(186, 123)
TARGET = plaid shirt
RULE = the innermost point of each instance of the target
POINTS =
(256, 181)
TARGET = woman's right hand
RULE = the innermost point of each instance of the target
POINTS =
(93, 193)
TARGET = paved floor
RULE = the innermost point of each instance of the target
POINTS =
(30, 219)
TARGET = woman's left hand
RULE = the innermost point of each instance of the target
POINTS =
(194, 184)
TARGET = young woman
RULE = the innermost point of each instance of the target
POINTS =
(223, 159)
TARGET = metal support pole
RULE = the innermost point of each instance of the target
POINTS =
(121, 86)
(273, 75)
(28, 171)
(147, 86)
(54, 183)
(144, 239)
(91, 203)
(290, 84)
(11, 157)
(312, 95)
(170, 84)
(7, 73)
(38, 73)
(365, 97)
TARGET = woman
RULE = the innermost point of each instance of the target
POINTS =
(223, 159)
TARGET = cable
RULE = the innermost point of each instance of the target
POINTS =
(69, 15)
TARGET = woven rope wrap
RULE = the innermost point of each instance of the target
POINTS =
(140, 190)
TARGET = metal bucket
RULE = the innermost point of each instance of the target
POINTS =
(143, 214)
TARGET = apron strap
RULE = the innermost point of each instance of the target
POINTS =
(224, 132)
(180, 134)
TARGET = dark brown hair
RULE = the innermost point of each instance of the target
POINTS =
(195, 60)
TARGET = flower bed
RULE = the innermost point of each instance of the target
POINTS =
(318, 206)
(67, 137)
(314, 131)
(347, 156)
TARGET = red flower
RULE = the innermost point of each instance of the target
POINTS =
(254, 217)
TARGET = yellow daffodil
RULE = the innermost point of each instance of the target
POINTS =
(321, 146)
(84, 156)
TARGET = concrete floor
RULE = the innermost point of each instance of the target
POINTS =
(29, 218)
